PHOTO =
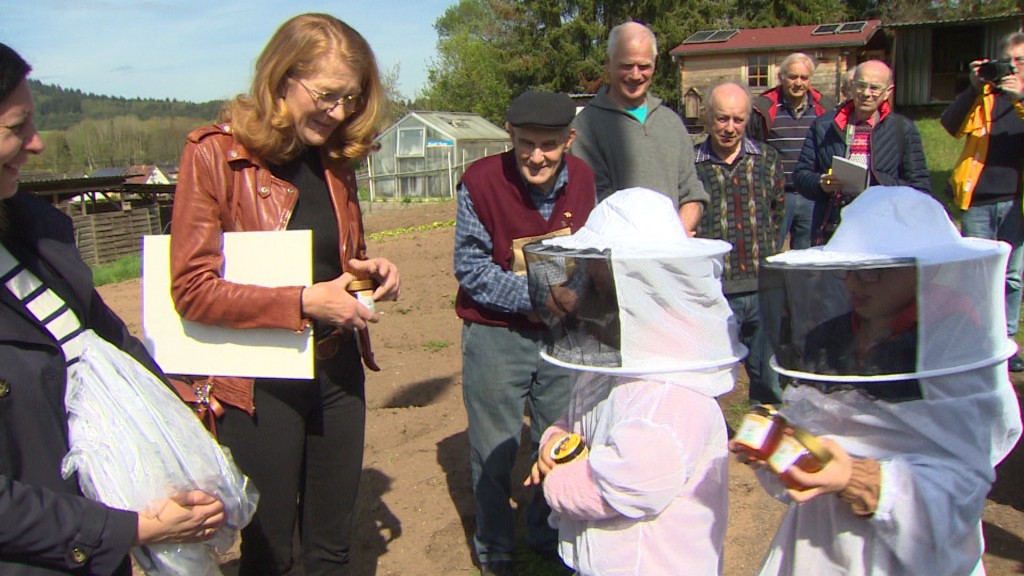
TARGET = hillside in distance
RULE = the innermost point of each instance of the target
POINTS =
(59, 108)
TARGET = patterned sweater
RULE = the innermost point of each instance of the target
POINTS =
(746, 208)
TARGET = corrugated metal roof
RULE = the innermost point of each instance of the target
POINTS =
(965, 20)
(456, 125)
(791, 38)
(108, 172)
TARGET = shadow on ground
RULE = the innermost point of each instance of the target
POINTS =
(422, 393)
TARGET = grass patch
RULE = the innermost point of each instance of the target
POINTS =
(940, 151)
(122, 269)
(436, 345)
(379, 236)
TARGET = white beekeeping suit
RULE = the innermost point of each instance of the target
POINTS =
(636, 308)
(930, 400)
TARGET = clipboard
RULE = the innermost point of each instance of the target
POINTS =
(852, 175)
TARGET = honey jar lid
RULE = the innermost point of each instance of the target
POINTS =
(813, 445)
(568, 448)
(358, 285)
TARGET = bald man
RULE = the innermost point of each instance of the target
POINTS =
(629, 138)
(746, 182)
(864, 130)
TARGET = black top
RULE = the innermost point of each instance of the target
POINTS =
(314, 211)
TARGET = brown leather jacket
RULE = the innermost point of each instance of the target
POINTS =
(221, 188)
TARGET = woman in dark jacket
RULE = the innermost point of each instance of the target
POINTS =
(46, 525)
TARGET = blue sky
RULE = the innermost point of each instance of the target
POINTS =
(197, 50)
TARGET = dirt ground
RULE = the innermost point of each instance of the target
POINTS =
(416, 509)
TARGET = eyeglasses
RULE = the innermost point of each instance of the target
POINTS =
(868, 276)
(865, 88)
(328, 101)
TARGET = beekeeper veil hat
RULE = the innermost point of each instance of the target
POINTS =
(631, 293)
(897, 294)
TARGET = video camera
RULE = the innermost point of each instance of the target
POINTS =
(994, 70)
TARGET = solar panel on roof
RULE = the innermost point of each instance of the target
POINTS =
(850, 27)
(723, 35)
(825, 29)
(698, 37)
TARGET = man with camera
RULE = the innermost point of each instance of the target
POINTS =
(986, 182)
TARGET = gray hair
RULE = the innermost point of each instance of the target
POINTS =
(632, 28)
(846, 83)
(1010, 40)
(794, 58)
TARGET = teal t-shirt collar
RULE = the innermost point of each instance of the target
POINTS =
(640, 112)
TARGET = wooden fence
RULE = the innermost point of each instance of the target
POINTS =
(106, 236)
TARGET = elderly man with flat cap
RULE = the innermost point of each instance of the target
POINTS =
(531, 192)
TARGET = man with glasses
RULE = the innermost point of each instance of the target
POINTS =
(781, 117)
(865, 131)
(986, 184)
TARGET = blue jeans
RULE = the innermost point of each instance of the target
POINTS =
(1002, 221)
(797, 222)
(502, 370)
(764, 381)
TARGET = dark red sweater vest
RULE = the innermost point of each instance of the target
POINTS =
(504, 207)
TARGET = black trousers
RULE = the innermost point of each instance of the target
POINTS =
(304, 452)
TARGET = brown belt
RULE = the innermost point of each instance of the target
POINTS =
(329, 346)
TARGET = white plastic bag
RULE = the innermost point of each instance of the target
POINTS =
(133, 443)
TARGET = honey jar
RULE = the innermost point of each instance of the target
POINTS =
(362, 290)
(760, 431)
(569, 448)
(801, 449)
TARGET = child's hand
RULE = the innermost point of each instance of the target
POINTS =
(544, 463)
(544, 460)
(535, 477)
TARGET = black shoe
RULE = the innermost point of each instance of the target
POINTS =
(1015, 363)
(498, 568)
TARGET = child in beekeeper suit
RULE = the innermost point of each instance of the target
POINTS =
(636, 307)
(899, 368)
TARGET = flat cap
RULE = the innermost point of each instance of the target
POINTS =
(541, 110)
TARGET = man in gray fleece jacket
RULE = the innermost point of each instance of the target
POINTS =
(629, 138)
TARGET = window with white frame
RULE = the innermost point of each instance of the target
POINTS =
(411, 142)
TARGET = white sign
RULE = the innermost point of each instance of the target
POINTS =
(183, 347)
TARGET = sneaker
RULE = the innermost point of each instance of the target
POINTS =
(1015, 363)
(498, 568)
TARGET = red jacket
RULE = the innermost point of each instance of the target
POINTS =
(766, 106)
